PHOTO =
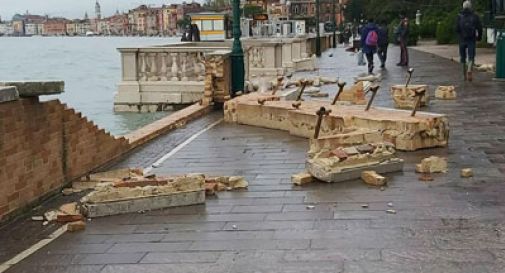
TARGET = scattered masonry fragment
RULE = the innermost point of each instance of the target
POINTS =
(432, 164)
(467, 172)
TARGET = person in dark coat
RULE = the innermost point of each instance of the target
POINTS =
(383, 43)
(403, 38)
(369, 49)
(469, 29)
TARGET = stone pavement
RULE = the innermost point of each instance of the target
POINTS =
(451, 52)
(448, 225)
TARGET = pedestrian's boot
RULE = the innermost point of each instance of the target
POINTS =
(464, 71)
(469, 73)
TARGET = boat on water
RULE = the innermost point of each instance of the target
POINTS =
(90, 33)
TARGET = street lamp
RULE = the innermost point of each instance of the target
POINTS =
(318, 35)
(237, 53)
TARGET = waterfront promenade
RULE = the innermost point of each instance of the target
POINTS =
(447, 225)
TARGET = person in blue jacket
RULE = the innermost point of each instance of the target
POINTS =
(369, 42)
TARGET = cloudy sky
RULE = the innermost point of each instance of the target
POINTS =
(71, 8)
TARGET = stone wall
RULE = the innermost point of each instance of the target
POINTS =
(43, 145)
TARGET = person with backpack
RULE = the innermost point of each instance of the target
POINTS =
(369, 42)
(383, 43)
(469, 29)
(403, 38)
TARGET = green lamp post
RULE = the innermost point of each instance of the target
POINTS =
(318, 35)
(334, 13)
(237, 53)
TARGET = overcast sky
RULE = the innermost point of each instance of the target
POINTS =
(72, 8)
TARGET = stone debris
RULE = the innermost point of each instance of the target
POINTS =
(51, 215)
(234, 227)
(76, 226)
(310, 207)
(347, 163)
(390, 204)
(69, 213)
(425, 130)
(485, 67)
(467, 172)
(354, 94)
(372, 178)
(405, 98)
(432, 164)
(311, 90)
(445, 93)
(391, 211)
(37, 218)
(225, 183)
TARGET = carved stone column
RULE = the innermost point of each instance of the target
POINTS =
(143, 67)
(163, 72)
(153, 67)
(175, 67)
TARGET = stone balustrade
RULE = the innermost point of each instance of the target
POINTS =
(159, 78)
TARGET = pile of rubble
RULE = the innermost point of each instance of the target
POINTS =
(130, 191)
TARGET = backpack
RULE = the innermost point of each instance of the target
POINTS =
(467, 26)
(372, 38)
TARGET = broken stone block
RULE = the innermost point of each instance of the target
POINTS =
(404, 98)
(37, 218)
(445, 92)
(432, 164)
(67, 191)
(177, 191)
(372, 178)
(303, 178)
(328, 80)
(354, 94)
(76, 226)
(325, 166)
(407, 133)
(237, 182)
(467, 172)
(311, 90)
(69, 213)
(348, 137)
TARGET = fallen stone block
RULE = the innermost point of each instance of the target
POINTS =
(405, 98)
(372, 178)
(8, 93)
(237, 182)
(76, 226)
(301, 179)
(349, 137)
(467, 172)
(354, 94)
(210, 188)
(408, 133)
(178, 191)
(432, 164)
(145, 203)
(69, 213)
(330, 167)
(445, 93)
(36, 88)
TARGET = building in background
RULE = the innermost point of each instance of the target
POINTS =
(55, 27)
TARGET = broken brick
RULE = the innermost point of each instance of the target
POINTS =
(467, 172)
(76, 226)
(373, 178)
(303, 178)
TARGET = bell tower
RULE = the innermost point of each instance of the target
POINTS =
(98, 12)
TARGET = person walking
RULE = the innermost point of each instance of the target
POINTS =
(383, 43)
(469, 29)
(369, 42)
(403, 38)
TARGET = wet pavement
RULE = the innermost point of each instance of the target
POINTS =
(448, 225)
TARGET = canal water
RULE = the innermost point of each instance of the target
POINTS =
(90, 67)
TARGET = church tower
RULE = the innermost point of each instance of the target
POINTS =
(98, 12)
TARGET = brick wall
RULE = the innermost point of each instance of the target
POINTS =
(43, 145)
